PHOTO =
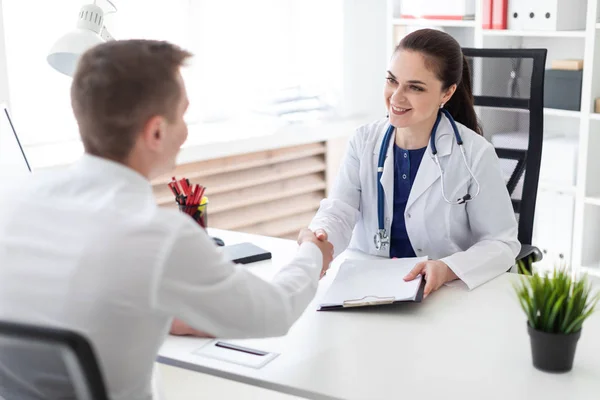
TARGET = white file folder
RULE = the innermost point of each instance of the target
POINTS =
(361, 283)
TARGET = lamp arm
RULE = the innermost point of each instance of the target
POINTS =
(112, 5)
(105, 34)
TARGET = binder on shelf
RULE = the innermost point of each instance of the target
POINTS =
(499, 14)
(487, 14)
(361, 283)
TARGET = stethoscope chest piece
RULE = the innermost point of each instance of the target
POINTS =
(381, 239)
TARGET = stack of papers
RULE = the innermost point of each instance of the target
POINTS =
(370, 282)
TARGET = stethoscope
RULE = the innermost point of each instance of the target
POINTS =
(382, 238)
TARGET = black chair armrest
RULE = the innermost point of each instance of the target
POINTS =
(526, 257)
(528, 250)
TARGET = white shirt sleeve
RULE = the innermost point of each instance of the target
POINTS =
(199, 286)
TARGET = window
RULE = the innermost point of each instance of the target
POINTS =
(249, 52)
(39, 96)
(246, 54)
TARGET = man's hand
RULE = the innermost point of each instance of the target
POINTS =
(435, 273)
(320, 239)
(321, 234)
(180, 328)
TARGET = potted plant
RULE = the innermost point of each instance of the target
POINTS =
(556, 305)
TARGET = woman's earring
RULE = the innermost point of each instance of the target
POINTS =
(442, 105)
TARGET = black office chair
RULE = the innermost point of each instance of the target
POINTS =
(508, 89)
(47, 363)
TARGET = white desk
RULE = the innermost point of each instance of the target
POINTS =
(455, 345)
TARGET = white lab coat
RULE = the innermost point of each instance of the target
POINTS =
(477, 240)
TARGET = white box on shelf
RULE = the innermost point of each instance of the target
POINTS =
(553, 225)
(438, 9)
(516, 14)
(547, 15)
(559, 160)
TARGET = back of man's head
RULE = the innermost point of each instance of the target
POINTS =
(118, 86)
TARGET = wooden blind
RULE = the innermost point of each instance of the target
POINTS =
(273, 193)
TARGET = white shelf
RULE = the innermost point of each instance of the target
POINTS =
(555, 187)
(434, 22)
(593, 200)
(562, 113)
(591, 270)
(557, 34)
(595, 116)
(554, 112)
(597, 25)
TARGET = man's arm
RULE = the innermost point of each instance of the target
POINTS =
(199, 286)
(180, 328)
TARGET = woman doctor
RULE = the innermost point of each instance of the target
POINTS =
(437, 198)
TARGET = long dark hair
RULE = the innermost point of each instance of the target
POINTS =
(444, 57)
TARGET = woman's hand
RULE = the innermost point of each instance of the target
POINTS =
(435, 273)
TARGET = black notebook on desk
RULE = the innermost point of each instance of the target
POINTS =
(361, 283)
(244, 253)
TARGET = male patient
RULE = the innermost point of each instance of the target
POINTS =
(87, 248)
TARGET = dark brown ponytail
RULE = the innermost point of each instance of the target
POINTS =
(445, 58)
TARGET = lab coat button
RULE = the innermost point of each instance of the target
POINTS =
(407, 215)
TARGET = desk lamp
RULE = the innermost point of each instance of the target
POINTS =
(89, 32)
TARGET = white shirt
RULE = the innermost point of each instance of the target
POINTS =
(88, 249)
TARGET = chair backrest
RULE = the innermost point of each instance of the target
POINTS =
(508, 88)
(47, 363)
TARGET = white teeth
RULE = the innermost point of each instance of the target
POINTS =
(399, 109)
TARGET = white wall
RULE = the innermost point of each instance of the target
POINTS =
(365, 57)
(3, 71)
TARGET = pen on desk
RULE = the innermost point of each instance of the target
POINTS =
(190, 198)
(173, 189)
(198, 196)
(193, 194)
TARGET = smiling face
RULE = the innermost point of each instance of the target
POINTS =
(413, 93)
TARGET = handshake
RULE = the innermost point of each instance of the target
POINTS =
(319, 237)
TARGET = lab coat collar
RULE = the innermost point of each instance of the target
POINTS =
(444, 139)
(428, 171)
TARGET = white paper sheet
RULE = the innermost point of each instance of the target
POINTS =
(370, 280)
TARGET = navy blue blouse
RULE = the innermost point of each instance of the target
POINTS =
(406, 165)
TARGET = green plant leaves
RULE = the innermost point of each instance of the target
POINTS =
(556, 302)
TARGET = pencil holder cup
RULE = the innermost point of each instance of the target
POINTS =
(198, 213)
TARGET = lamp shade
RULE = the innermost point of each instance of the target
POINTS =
(65, 53)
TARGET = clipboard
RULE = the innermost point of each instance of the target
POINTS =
(365, 283)
(369, 301)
